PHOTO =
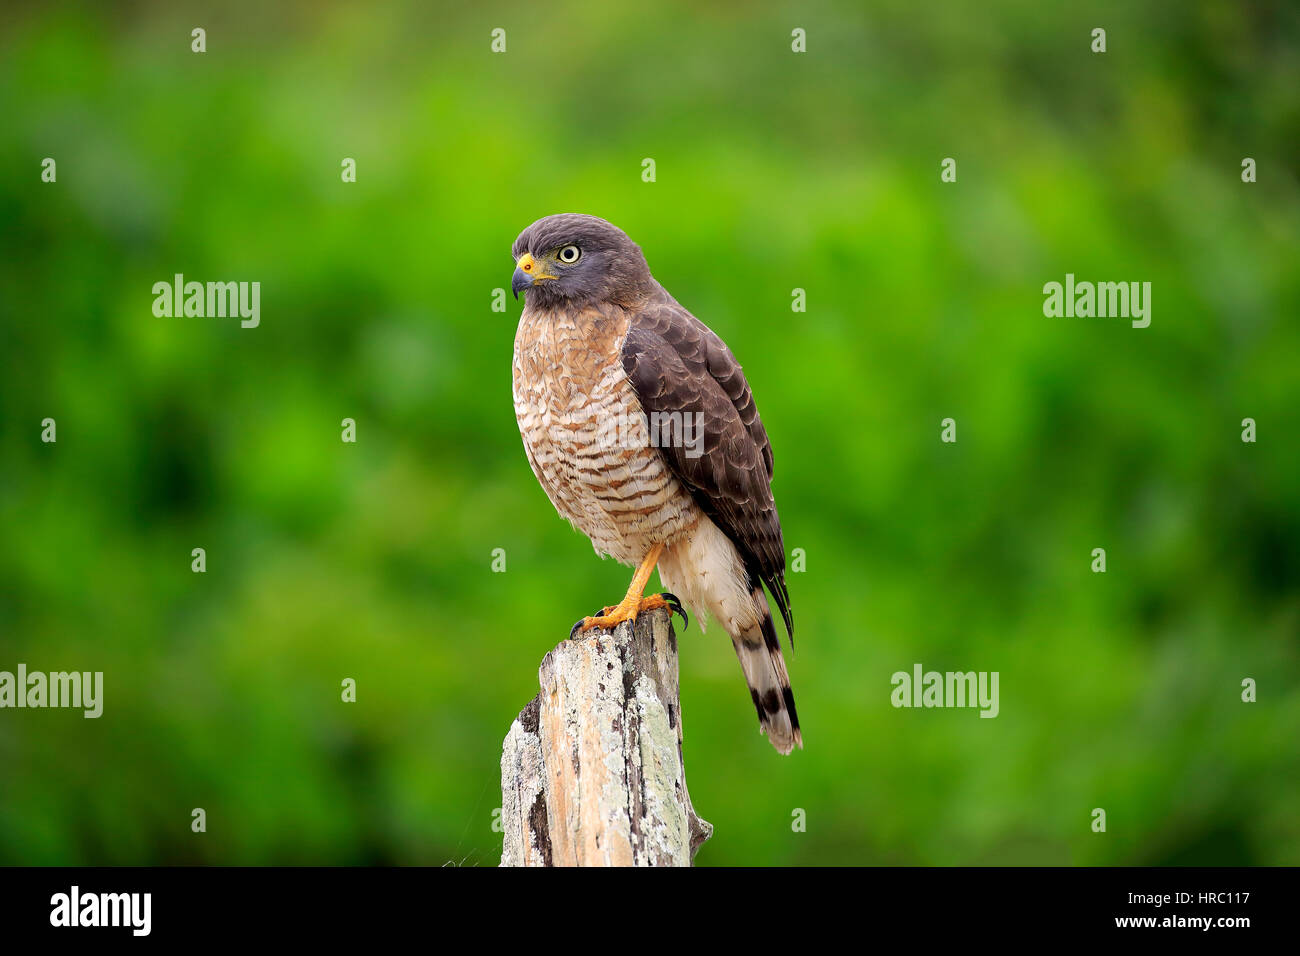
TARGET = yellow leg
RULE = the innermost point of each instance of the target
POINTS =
(633, 603)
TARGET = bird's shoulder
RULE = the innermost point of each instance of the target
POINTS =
(676, 362)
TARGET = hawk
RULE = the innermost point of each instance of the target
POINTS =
(639, 425)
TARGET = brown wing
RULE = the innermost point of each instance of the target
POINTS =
(676, 364)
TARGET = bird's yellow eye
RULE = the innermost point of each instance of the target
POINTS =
(569, 254)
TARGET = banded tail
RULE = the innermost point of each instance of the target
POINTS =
(769, 682)
(706, 571)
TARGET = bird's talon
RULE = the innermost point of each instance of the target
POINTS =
(675, 605)
(665, 599)
(611, 617)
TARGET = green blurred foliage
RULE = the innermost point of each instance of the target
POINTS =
(775, 171)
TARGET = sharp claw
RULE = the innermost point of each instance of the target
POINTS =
(672, 600)
(675, 604)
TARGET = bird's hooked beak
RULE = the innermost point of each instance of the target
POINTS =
(527, 272)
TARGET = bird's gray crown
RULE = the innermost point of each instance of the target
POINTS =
(553, 232)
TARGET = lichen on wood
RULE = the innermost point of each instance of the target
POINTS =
(591, 770)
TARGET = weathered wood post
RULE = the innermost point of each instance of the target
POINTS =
(591, 770)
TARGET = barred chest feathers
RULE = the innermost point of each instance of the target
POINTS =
(586, 435)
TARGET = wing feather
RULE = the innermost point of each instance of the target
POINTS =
(676, 364)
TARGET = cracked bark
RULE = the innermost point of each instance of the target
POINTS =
(591, 770)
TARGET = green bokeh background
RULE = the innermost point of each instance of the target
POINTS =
(774, 171)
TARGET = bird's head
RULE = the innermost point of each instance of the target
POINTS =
(576, 259)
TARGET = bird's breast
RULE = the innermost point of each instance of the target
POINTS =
(585, 433)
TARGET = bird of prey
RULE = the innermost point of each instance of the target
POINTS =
(639, 425)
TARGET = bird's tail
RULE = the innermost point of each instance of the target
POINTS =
(769, 682)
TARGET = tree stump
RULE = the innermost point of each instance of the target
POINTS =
(591, 770)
